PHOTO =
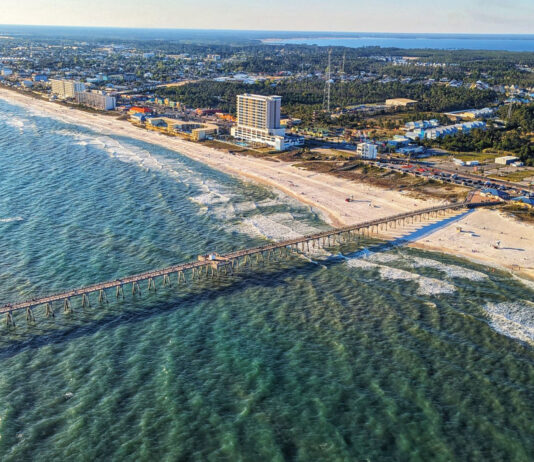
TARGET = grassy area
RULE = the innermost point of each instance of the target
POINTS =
(517, 176)
(343, 155)
(465, 156)
(480, 156)
(522, 213)
(242, 150)
(488, 155)
(417, 187)
(297, 155)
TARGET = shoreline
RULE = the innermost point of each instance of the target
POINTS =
(326, 193)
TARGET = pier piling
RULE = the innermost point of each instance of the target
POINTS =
(49, 312)
(30, 318)
(9, 319)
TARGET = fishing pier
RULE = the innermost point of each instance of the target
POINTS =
(213, 264)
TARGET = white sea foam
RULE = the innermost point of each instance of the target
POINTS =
(431, 286)
(21, 123)
(427, 286)
(276, 226)
(452, 271)
(270, 226)
(122, 151)
(388, 272)
(242, 207)
(384, 257)
(214, 198)
(15, 122)
(10, 219)
(130, 153)
(268, 203)
(361, 263)
(513, 319)
(317, 252)
(211, 198)
(301, 227)
(223, 212)
(267, 226)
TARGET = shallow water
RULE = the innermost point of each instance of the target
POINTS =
(394, 355)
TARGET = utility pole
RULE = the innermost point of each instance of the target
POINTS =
(326, 98)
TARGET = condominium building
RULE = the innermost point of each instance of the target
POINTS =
(367, 150)
(97, 100)
(258, 120)
(66, 88)
(259, 112)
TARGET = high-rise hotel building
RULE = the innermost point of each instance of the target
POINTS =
(258, 120)
(66, 88)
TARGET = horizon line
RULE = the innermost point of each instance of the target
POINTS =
(264, 30)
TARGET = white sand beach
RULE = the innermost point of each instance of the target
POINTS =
(479, 229)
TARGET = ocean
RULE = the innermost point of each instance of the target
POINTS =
(357, 353)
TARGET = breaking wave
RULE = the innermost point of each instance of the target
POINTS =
(11, 219)
(513, 319)
(427, 286)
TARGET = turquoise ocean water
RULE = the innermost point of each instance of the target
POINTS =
(393, 355)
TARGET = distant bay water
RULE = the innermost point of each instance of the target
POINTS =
(508, 42)
(419, 41)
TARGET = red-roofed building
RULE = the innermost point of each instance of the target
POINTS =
(140, 110)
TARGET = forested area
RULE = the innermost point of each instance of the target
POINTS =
(299, 93)
(520, 117)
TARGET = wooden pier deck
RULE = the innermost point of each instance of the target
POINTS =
(227, 261)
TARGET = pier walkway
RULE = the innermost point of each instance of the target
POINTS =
(227, 262)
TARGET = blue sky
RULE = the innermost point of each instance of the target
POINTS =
(467, 16)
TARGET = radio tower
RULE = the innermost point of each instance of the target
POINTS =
(326, 98)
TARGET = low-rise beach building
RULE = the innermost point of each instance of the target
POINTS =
(421, 124)
(400, 102)
(506, 160)
(193, 130)
(97, 100)
(140, 110)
